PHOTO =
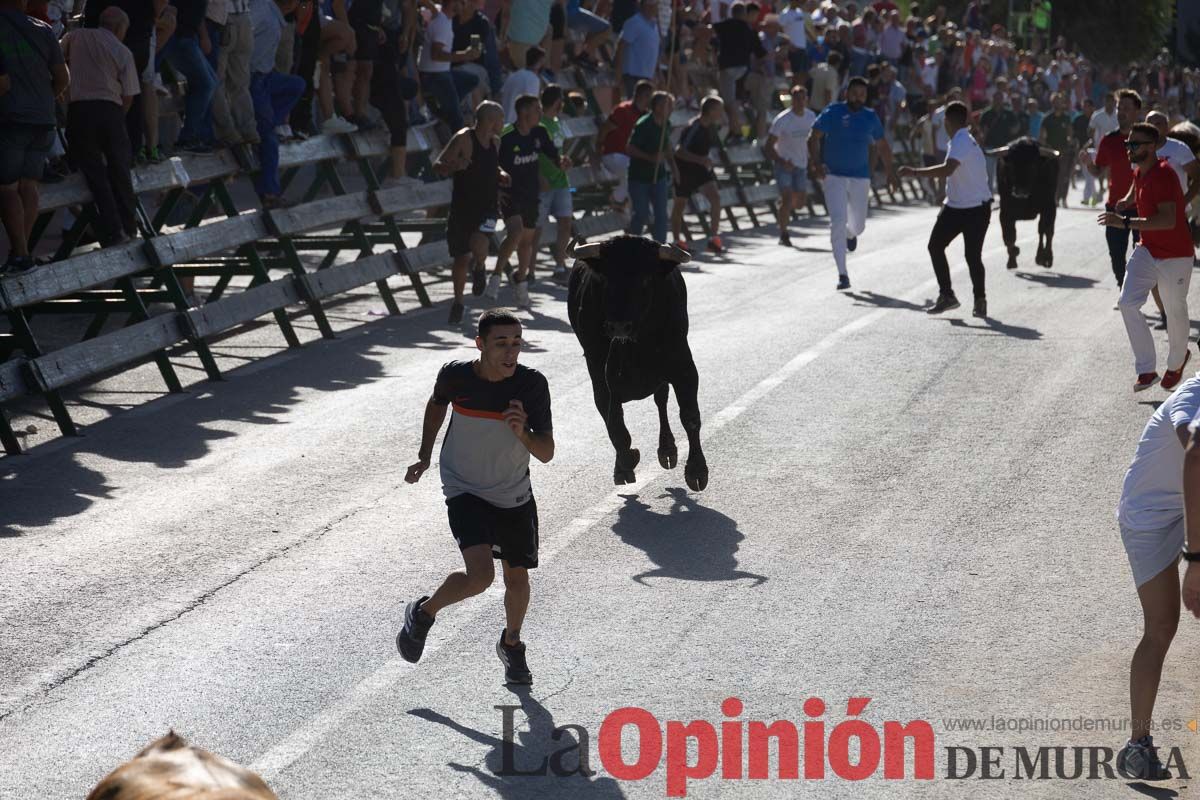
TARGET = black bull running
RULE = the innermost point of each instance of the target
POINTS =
(627, 303)
(1026, 177)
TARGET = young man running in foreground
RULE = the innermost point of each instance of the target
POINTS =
(1151, 514)
(501, 417)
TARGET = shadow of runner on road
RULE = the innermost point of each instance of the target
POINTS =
(1157, 792)
(689, 543)
(870, 298)
(540, 760)
(996, 327)
(1057, 280)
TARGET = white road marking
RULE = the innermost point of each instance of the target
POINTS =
(307, 736)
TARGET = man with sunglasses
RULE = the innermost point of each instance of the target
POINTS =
(1164, 256)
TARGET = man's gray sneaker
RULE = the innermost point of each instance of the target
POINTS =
(1139, 760)
(411, 639)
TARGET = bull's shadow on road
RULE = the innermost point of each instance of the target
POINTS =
(541, 760)
(1057, 280)
(689, 543)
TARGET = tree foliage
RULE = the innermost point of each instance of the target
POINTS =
(1115, 31)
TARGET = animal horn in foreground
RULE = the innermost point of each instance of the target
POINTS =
(583, 250)
(673, 253)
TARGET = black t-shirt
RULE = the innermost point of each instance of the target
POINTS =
(519, 158)
(736, 41)
(1002, 126)
(697, 139)
(477, 25)
(363, 13)
(1080, 127)
(480, 454)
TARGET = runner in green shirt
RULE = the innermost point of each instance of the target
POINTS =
(1056, 133)
(556, 186)
(649, 167)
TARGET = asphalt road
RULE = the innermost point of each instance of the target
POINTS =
(914, 510)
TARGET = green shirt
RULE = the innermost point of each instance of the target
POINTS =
(648, 137)
(1058, 131)
(555, 175)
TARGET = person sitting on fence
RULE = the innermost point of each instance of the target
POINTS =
(37, 74)
(522, 82)
(106, 81)
(595, 29)
(472, 25)
(274, 94)
(614, 134)
(444, 86)
(391, 89)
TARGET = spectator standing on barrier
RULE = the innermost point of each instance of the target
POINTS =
(1056, 134)
(446, 87)
(522, 146)
(1152, 519)
(694, 172)
(556, 197)
(391, 89)
(649, 150)
(365, 18)
(594, 28)
(826, 82)
(233, 108)
(274, 94)
(613, 137)
(501, 417)
(638, 49)
(143, 16)
(105, 84)
(186, 56)
(37, 74)
(853, 138)
(737, 43)
(1163, 257)
(795, 21)
(967, 211)
(787, 149)
(472, 157)
(522, 82)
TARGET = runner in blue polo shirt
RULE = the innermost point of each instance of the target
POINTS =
(852, 135)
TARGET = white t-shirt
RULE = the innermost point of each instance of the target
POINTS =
(791, 135)
(929, 74)
(523, 81)
(1102, 123)
(440, 30)
(967, 186)
(794, 22)
(1178, 155)
(1152, 495)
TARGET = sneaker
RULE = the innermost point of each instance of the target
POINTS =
(785, 240)
(155, 155)
(516, 670)
(980, 307)
(1172, 377)
(456, 313)
(336, 125)
(945, 302)
(851, 243)
(478, 279)
(1162, 323)
(716, 245)
(492, 292)
(843, 283)
(521, 288)
(283, 132)
(1145, 381)
(561, 275)
(1140, 760)
(683, 245)
(410, 641)
(362, 123)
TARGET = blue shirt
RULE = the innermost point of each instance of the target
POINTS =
(1035, 123)
(267, 22)
(640, 36)
(847, 137)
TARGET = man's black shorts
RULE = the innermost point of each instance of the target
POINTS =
(459, 229)
(23, 151)
(512, 532)
(527, 211)
(691, 182)
(367, 40)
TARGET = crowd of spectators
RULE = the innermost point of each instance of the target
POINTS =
(257, 72)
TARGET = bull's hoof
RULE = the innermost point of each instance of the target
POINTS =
(1048, 261)
(626, 463)
(668, 457)
(1012, 257)
(696, 477)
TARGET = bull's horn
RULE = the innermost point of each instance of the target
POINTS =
(583, 250)
(997, 152)
(673, 253)
(1048, 151)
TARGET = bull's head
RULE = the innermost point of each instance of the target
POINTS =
(1021, 161)
(630, 269)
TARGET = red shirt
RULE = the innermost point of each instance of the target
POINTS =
(1111, 153)
(625, 115)
(1160, 185)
